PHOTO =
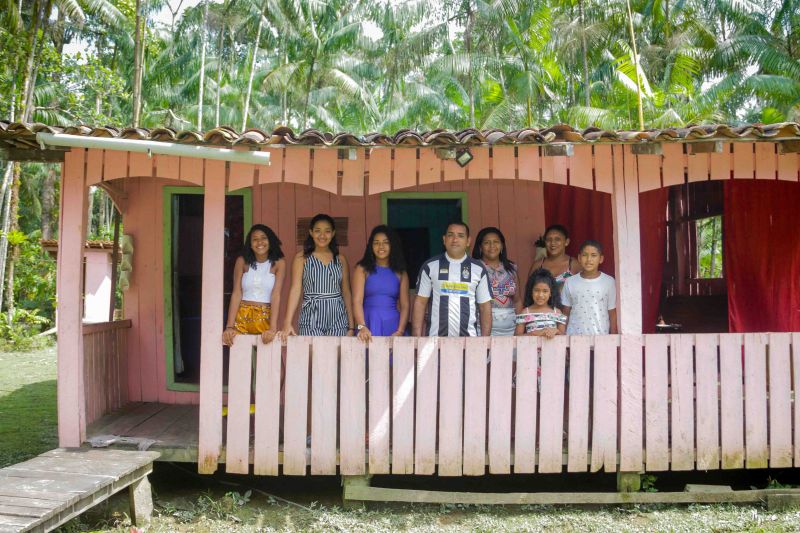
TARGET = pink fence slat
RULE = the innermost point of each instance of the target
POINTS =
(796, 388)
(501, 353)
(672, 171)
(94, 166)
(551, 417)
(272, 173)
(603, 168)
(268, 404)
(295, 406)
(352, 410)
(353, 173)
(656, 403)
(453, 171)
(451, 401)
(503, 163)
(731, 423)
(525, 408)
(682, 402)
(403, 405)
(766, 161)
(604, 404)
(475, 406)
(324, 368)
(241, 175)
(720, 163)
(707, 401)
(380, 170)
(698, 167)
(478, 168)
(115, 164)
(578, 412)
(237, 444)
(430, 166)
(558, 166)
(326, 166)
(580, 167)
(405, 168)
(787, 166)
(379, 405)
(168, 166)
(755, 400)
(780, 401)
(191, 170)
(649, 168)
(70, 391)
(297, 165)
(631, 435)
(210, 439)
(427, 392)
(528, 162)
(743, 161)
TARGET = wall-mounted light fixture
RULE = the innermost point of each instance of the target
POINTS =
(463, 157)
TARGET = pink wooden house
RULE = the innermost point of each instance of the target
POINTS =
(694, 399)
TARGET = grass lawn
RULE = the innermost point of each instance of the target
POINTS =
(186, 502)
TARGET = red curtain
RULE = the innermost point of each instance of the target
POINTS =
(761, 255)
(587, 215)
(653, 245)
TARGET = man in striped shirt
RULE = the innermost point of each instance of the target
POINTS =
(456, 283)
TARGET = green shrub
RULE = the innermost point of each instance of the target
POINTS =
(19, 333)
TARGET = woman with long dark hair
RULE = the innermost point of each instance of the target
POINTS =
(257, 280)
(380, 287)
(321, 275)
(490, 248)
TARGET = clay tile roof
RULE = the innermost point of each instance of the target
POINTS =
(18, 135)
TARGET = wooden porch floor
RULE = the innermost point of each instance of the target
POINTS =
(172, 428)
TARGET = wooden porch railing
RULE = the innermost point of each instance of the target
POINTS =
(627, 403)
(105, 367)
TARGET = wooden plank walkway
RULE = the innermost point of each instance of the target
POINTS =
(48, 490)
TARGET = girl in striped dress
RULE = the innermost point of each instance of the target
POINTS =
(321, 275)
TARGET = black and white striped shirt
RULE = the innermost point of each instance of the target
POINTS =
(454, 286)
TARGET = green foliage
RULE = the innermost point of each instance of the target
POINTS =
(709, 247)
(18, 331)
(649, 483)
(35, 281)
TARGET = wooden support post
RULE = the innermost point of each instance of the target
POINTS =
(69, 310)
(629, 481)
(210, 437)
(141, 502)
(625, 210)
(348, 482)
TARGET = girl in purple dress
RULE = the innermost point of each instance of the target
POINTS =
(380, 287)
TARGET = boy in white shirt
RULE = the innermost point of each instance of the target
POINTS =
(590, 298)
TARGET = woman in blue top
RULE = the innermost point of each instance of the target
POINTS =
(380, 287)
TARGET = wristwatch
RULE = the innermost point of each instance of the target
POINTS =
(359, 327)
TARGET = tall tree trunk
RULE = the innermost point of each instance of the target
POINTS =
(204, 38)
(28, 81)
(256, 44)
(308, 91)
(636, 66)
(137, 65)
(89, 212)
(13, 252)
(11, 169)
(48, 202)
(284, 96)
(713, 263)
(587, 88)
(468, 46)
(219, 75)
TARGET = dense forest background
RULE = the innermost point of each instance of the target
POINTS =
(352, 65)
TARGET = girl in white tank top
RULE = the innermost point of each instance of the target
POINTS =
(257, 281)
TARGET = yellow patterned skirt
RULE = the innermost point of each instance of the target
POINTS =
(252, 319)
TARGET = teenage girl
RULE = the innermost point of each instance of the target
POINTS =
(541, 316)
(490, 248)
(556, 260)
(322, 276)
(380, 287)
(257, 280)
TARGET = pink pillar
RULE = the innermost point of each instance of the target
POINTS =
(71, 401)
(625, 208)
(97, 289)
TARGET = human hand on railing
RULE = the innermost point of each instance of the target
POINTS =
(268, 336)
(286, 333)
(398, 333)
(549, 333)
(364, 334)
(228, 335)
